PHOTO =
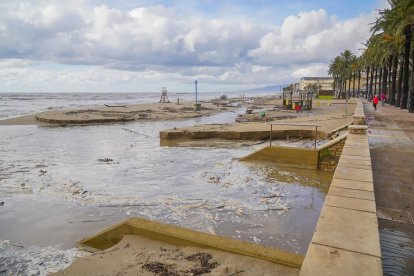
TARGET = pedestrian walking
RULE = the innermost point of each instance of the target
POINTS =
(375, 102)
(383, 98)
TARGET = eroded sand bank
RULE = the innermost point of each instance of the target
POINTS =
(136, 255)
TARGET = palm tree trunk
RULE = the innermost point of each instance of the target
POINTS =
(411, 102)
(353, 85)
(344, 94)
(399, 81)
(380, 82)
(389, 77)
(404, 94)
(384, 80)
(376, 81)
(393, 79)
(372, 81)
(367, 87)
(359, 82)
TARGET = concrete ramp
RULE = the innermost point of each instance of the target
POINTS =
(288, 156)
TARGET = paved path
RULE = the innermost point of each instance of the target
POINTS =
(391, 140)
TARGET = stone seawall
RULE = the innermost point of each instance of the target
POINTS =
(330, 153)
(346, 238)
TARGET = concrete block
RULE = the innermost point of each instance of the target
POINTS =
(360, 151)
(367, 195)
(345, 160)
(352, 184)
(353, 137)
(351, 203)
(356, 166)
(356, 157)
(347, 229)
(353, 174)
(325, 260)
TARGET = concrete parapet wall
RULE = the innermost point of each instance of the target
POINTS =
(346, 239)
(359, 115)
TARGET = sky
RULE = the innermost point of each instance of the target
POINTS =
(143, 45)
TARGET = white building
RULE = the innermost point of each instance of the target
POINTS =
(326, 83)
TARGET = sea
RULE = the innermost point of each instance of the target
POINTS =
(61, 184)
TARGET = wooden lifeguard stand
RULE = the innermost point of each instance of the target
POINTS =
(164, 97)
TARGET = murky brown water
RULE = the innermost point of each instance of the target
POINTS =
(59, 185)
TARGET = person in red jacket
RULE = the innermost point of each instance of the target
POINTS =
(375, 102)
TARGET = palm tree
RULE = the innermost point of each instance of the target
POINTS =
(400, 18)
(347, 57)
(335, 70)
(395, 25)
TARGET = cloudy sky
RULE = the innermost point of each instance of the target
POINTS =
(142, 45)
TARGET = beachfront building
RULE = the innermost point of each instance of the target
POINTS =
(323, 83)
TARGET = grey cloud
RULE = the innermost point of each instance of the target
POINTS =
(155, 42)
(125, 40)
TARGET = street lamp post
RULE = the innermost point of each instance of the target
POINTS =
(196, 91)
(197, 106)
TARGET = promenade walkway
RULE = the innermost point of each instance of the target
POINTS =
(391, 141)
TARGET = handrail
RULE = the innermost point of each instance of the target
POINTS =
(293, 124)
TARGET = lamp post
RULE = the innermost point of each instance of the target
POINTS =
(196, 91)
(197, 106)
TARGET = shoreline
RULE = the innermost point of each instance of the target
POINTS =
(147, 112)
(125, 113)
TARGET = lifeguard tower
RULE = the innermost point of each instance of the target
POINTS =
(298, 100)
(164, 97)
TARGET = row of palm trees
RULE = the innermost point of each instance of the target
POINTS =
(385, 61)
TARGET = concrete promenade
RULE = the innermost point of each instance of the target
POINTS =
(391, 141)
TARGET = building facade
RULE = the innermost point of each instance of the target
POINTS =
(324, 83)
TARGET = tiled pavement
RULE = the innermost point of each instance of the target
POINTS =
(391, 140)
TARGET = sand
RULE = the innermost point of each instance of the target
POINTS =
(271, 105)
(136, 255)
(138, 112)
(113, 114)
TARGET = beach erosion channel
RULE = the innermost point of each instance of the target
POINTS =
(61, 184)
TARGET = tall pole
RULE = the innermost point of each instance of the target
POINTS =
(196, 91)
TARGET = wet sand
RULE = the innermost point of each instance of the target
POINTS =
(330, 115)
(136, 255)
(123, 113)
(22, 120)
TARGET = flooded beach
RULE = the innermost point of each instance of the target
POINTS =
(61, 184)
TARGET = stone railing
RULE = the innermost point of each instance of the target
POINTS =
(346, 238)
